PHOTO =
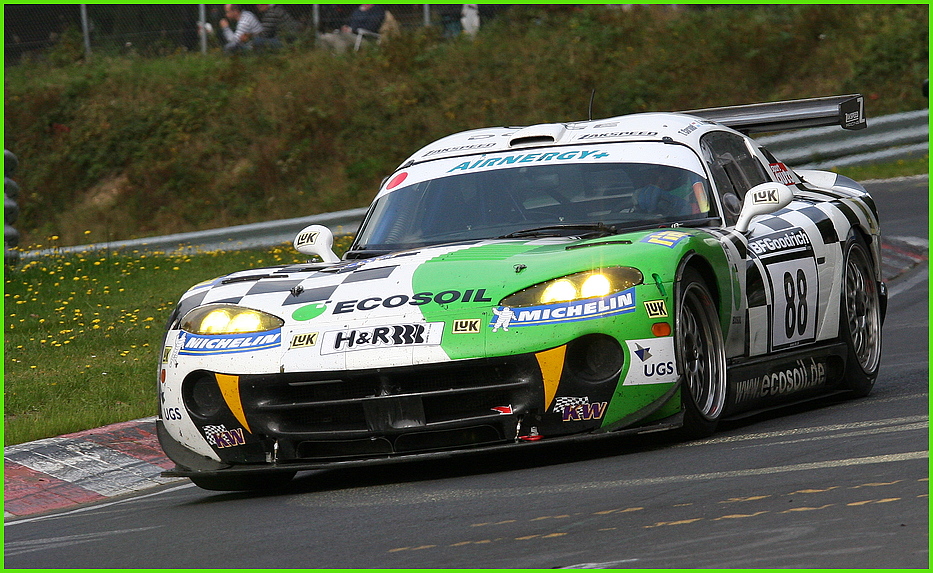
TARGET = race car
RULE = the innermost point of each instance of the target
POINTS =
(516, 285)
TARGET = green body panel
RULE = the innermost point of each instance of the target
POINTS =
(510, 266)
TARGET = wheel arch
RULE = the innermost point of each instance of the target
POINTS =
(713, 281)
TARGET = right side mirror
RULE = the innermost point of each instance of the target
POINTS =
(761, 200)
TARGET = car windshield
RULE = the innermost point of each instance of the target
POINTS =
(554, 193)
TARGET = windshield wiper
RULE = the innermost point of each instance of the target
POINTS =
(590, 231)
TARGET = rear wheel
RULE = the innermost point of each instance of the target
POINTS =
(243, 482)
(701, 358)
(860, 318)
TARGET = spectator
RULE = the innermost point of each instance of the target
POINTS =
(278, 27)
(247, 28)
(469, 19)
(366, 19)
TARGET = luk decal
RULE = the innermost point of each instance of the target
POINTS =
(765, 197)
(306, 239)
(221, 437)
(577, 409)
(428, 334)
(791, 239)
(303, 340)
(618, 303)
(197, 345)
(528, 158)
(795, 377)
(653, 361)
(665, 238)
(656, 309)
(467, 326)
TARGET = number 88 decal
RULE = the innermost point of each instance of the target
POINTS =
(795, 295)
(794, 289)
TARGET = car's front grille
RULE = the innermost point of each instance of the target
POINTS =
(393, 401)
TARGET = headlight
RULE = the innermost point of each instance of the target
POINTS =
(228, 319)
(588, 284)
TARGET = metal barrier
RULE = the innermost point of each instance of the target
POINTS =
(886, 138)
(10, 209)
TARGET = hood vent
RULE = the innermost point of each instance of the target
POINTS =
(538, 135)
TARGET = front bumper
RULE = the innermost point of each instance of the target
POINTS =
(311, 417)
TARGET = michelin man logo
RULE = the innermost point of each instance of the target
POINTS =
(504, 317)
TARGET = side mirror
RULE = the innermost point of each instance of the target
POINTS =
(316, 240)
(761, 200)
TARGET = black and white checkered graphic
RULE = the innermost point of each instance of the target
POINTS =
(562, 402)
(211, 431)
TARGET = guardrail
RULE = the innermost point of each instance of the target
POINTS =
(886, 138)
(889, 137)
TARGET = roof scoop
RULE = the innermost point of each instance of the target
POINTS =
(538, 134)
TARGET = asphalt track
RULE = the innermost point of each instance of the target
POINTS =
(89, 467)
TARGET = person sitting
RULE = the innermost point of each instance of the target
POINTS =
(671, 194)
(278, 27)
(367, 19)
(247, 27)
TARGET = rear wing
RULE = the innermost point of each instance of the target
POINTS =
(847, 111)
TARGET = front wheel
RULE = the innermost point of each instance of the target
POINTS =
(860, 320)
(701, 357)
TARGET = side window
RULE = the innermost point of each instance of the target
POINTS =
(734, 168)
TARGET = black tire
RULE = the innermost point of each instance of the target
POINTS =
(860, 317)
(243, 482)
(701, 356)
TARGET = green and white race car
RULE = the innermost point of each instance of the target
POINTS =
(516, 284)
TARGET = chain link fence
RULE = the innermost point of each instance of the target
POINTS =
(64, 31)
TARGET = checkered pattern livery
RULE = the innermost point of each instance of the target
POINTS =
(827, 219)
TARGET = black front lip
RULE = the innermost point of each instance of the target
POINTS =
(180, 470)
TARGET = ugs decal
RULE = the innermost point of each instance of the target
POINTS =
(618, 303)
(428, 334)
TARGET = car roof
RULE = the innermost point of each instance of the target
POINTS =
(661, 127)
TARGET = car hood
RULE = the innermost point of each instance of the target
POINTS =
(477, 275)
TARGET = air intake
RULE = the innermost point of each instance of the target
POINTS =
(538, 135)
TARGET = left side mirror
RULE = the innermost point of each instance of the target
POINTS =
(316, 240)
(761, 200)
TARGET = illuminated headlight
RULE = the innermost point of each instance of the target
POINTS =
(578, 286)
(228, 319)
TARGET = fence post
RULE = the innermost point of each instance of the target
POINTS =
(86, 29)
(10, 209)
(427, 15)
(202, 31)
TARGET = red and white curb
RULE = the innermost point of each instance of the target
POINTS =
(86, 466)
